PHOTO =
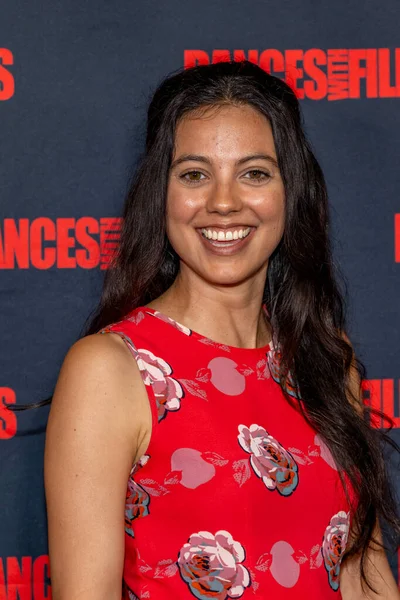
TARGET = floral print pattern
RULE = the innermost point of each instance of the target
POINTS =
(274, 359)
(270, 461)
(197, 453)
(334, 544)
(155, 372)
(211, 566)
(175, 324)
(137, 499)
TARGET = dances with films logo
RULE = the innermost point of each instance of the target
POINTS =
(7, 84)
(63, 243)
(68, 243)
(25, 577)
(316, 74)
(383, 395)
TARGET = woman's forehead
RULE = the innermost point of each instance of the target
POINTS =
(228, 131)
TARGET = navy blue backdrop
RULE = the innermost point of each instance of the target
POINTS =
(75, 79)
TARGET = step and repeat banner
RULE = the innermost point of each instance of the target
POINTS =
(75, 81)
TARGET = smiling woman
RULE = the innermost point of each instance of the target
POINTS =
(234, 207)
(216, 446)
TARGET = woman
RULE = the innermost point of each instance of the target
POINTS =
(234, 446)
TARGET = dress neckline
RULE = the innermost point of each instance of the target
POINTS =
(202, 338)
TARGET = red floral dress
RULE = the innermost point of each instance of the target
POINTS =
(236, 495)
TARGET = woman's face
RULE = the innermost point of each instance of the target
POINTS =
(225, 200)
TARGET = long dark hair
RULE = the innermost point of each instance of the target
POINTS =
(305, 303)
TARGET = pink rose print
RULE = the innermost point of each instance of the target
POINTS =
(274, 359)
(211, 566)
(334, 544)
(270, 461)
(137, 499)
(155, 372)
(175, 324)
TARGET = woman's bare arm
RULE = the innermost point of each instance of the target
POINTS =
(378, 573)
(95, 431)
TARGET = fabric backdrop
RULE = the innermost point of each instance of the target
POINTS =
(75, 80)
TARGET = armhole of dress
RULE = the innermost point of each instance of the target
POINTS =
(148, 387)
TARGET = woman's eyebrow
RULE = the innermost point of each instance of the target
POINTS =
(206, 160)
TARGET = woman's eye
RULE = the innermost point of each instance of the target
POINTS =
(192, 176)
(258, 175)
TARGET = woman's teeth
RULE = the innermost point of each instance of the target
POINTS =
(225, 236)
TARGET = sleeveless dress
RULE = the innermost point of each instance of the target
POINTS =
(236, 495)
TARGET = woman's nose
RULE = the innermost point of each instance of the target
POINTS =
(224, 198)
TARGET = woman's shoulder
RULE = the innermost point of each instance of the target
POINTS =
(99, 375)
(96, 351)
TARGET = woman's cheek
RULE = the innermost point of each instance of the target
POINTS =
(182, 206)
